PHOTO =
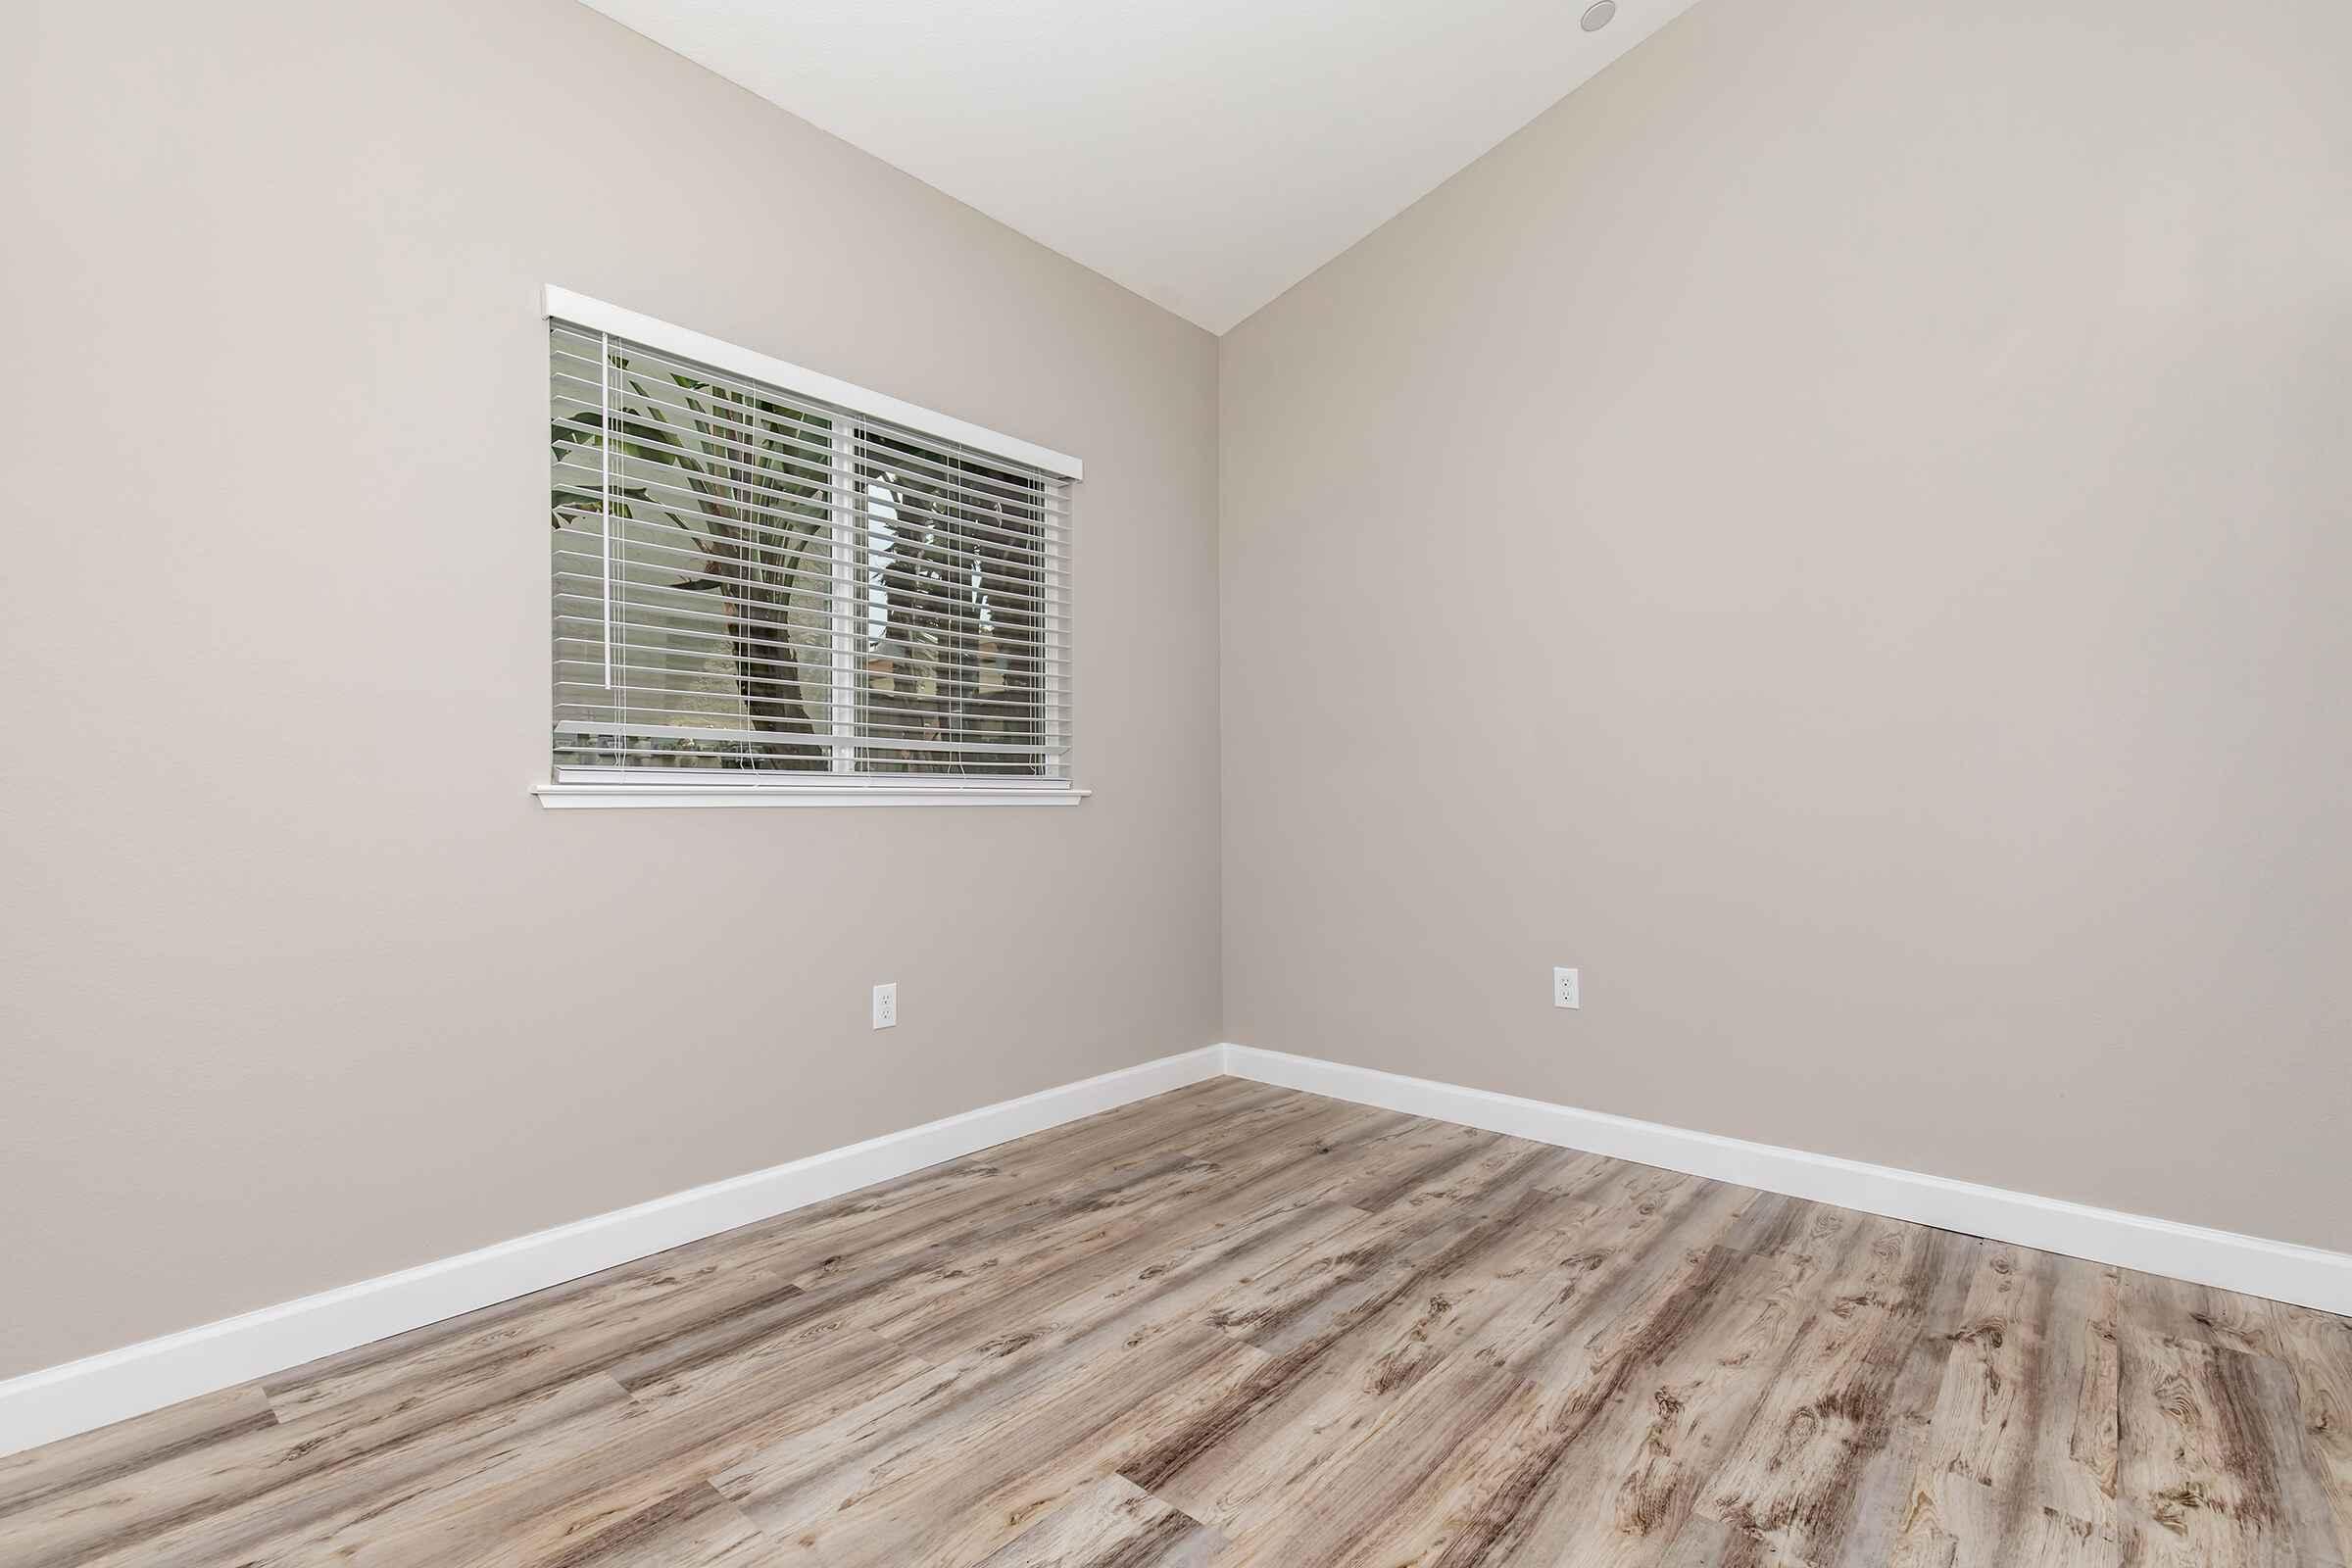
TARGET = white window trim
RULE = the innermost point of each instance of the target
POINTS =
(562, 304)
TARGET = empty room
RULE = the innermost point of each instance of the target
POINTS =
(1307, 784)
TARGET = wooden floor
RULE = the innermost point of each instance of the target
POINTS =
(1239, 1325)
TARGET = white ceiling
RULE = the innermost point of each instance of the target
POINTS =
(1207, 154)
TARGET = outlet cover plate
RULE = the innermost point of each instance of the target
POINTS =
(886, 1006)
(1567, 991)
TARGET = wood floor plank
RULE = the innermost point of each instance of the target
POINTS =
(394, 1481)
(941, 1202)
(1864, 1526)
(375, 1526)
(1620, 1458)
(942, 1298)
(1239, 1325)
(1537, 1196)
(1822, 1461)
(1495, 1290)
(945, 1479)
(1339, 1326)
(975, 1269)
(692, 1527)
(1428, 1153)
(1712, 1544)
(1447, 1265)
(2019, 1460)
(622, 1471)
(2318, 1350)
(276, 1497)
(627, 1314)
(928, 1201)
(1179, 1280)
(1623, 1259)
(1110, 1523)
(2213, 1467)
(1015, 1424)
(1095, 1170)
(1386, 1489)
(1169, 1292)
(2198, 1314)
(1338, 1369)
(978, 1289)
(95, 1461)
(1779, 1226)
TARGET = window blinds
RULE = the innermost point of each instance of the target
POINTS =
(762, 588)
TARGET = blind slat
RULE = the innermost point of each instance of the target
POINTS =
(668, 410)
(1053, 658)
(583, 516)
(697, 769)
(807, 672)
(773, 633)
(634, 730)
(889, 575)
(593, 699)
(656, 384)
(796, 500)
(867, 596)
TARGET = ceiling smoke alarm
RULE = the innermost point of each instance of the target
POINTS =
(1598, 14)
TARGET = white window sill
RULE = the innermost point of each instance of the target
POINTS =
(569, 797)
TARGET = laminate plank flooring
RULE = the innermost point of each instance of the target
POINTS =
(1241, 1327)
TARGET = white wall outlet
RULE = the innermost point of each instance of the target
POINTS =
(886, 1006)
(1566, 990)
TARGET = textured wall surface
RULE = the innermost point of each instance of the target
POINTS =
(302, 986)
(1842, 530)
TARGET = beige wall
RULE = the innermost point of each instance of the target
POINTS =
(1844, 530)
(1870, 483)
(301, 986)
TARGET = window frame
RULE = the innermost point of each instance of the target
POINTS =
(843, 784)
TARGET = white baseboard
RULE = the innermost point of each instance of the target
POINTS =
(2278, 1270)
(61, 1400)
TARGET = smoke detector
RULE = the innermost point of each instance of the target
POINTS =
(1598, 14)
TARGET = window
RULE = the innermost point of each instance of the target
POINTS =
(771, 584)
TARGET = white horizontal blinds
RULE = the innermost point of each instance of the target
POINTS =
(953, 608)
(763, 588)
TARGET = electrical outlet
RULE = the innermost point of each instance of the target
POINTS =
(1566, 990)
(886, 1006)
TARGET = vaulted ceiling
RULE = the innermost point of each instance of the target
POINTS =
(1208, 155)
